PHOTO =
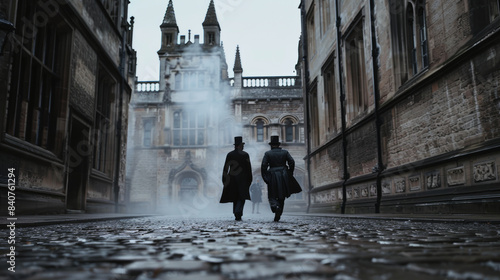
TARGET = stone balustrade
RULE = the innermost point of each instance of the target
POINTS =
(270, 82)
(147, 86)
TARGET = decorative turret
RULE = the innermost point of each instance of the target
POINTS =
(211, 27)
(169, 28)
(237, 69)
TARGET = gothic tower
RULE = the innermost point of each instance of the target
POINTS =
(211, 27)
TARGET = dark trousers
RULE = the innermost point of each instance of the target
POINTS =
(238, 207)
(277, 205)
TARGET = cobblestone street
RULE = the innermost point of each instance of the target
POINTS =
(298, 247)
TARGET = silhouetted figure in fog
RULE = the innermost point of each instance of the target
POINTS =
(278, 176)
(256, 195)
(237, 177)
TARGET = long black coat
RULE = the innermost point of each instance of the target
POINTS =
(277, 175)
(236, 177)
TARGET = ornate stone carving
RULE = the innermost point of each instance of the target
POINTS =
(400, 185)
(433, 180)
(484, 171)
(356, 193)
(414, 182)
(324, 197)
(364, 191)
(373, 190)
(386, 188)
(456, 176)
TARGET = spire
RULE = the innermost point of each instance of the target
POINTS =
(169, 19)
(211, 17)
(237, 61)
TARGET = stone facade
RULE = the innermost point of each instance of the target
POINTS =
(182, 126)
(69, 68)
(416, 115)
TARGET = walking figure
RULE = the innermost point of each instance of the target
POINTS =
(256, 195)
(277, 171)
(236, 178)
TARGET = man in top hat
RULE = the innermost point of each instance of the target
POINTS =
(277, 171)
(236, 178)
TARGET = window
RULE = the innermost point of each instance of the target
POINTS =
(328, 73)
(325, 15)
(260, 131)
(189, 128)
(259, 128)
(311, 36)
(289, 129)
(103, 121)
(226, 132)
(409, 35)
(148, 133)
(37, 98)
(169, 39)
(111, 7)
(211, 38)
(314, 117)
(178, 80)
(483, 12)
(357, 96)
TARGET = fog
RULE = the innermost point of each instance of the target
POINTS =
(194, 128)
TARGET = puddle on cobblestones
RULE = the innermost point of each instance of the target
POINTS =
(256, 248)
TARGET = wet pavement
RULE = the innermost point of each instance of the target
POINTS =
(297, 247)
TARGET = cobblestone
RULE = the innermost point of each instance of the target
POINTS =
(256, 248)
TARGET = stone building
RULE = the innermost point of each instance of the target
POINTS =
(67, 76)
(403, 105)
(183, 125)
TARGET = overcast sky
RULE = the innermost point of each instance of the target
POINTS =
(267, 32)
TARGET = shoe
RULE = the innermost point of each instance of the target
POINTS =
(277, 217)
(238, 217)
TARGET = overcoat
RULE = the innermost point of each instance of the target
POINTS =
(236, 177)
(256, 192)
(277, 175)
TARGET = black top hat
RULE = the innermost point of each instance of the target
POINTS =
(238, 140)
(275, 140)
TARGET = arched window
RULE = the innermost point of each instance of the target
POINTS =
(289, 130)
(409, 38)
(260, 131)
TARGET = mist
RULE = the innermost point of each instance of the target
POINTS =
(193, 124)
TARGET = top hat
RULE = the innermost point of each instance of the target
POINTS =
(275, 140)
(238, 140)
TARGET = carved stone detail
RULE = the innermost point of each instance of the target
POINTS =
(414, 182)
(373, 190)
(456, 176)
(433, 180)
(484, 171)
(324, 197)
(364, 191)
(386, 188)
(356, 192)
(400, 185)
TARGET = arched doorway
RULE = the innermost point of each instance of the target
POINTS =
(188, 189)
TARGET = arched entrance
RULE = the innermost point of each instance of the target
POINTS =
(188, 189)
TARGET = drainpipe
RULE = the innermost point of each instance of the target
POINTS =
(305, 91)
(378, 122)
(342, 107)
